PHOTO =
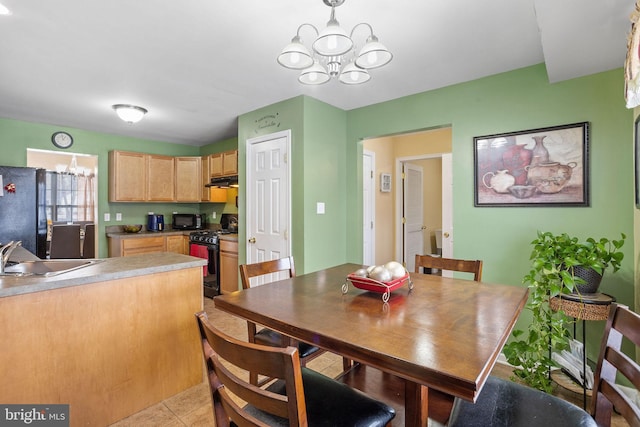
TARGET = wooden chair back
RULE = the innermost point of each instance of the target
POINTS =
(451, 264)
(247, 271)
(622, 325)
(65, 241)
(276, 362)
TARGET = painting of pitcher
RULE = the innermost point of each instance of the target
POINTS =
(537, 167)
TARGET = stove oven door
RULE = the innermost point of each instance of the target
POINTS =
(209, 271)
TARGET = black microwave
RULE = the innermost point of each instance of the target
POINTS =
(188, 221)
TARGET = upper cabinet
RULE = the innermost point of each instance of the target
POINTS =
(223, 164)
(188, 182)
(139, 177)
(161, 182)
(127, 176)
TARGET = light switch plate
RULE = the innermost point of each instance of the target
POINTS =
(107, 217)
(320, 208)
(118, 216)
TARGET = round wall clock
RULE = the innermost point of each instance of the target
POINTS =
(62, 139)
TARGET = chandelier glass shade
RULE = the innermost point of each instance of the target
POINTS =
(130, 113)
(334, 53)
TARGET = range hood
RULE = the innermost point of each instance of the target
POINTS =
(224, 182)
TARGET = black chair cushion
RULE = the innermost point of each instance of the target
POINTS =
(274, 339)
(505, 403)
(331, 404)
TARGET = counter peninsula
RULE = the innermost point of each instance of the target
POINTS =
(109, 340)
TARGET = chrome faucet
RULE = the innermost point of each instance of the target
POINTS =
(5, 253)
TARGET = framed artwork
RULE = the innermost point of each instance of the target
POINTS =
(385, 182)
(537, 167)
(637, 160)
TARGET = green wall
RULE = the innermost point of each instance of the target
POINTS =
(285, 115)
(518, 100)
(16, 136)
(318, 172)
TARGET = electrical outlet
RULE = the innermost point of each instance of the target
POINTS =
(107, 217)
(213, 215)
(118, 216)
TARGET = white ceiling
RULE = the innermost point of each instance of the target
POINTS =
(198, 64)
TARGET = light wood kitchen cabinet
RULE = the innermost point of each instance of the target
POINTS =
(137, 245)
(124, 245)
(223, 164)
(140, 177)
(188, 179)
(230, 163)
(127, 176)
(210, 194)
(228, 266)
(178, 244)
(215, 164)
(161, 181)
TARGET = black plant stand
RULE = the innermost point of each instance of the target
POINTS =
(583, 307)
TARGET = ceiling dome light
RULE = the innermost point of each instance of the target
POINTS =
(130, 113)
(332, 48)
(4, 10)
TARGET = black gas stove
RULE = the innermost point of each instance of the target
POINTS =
(204, 237)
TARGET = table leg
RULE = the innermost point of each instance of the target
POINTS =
(416, 404)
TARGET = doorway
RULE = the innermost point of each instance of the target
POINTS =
(268, 197)
(391, 152)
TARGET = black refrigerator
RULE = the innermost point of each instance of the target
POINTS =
(23, 214)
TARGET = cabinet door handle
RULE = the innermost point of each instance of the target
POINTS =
(252, 240)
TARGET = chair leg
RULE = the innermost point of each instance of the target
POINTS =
(346, 364)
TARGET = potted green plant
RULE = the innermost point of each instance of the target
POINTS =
(556, 258)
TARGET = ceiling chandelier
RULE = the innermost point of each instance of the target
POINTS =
(334, 53)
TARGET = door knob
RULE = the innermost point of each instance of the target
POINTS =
(424, 227)
(252, 240)
(446, 234)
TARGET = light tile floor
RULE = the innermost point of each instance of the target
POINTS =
(193, 406)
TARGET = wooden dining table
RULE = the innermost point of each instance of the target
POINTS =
(444, 334)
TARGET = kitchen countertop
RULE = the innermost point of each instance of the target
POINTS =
(230, 237)
(105, 270)
(145, 233)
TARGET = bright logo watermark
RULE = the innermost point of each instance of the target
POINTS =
(34, 415)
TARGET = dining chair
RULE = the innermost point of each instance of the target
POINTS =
(266, 336)
(89, 241)
(503, 402)
(299, 396)
(65, 241)
(451, 264)
(621, 324)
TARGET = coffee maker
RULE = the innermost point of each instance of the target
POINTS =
(155, 222)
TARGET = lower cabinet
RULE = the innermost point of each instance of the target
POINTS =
(228, 266)
(127, 246)
(178, 244)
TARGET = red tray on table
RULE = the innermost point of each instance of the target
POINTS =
(372, 285)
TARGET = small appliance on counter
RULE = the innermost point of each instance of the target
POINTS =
(188, 221)
(229, 223)
(155, 222)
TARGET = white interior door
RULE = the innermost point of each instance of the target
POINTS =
(413, 214)
(268, 200)
(447, 207)
(369, 208)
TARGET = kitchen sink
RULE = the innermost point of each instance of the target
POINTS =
(47, 267)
